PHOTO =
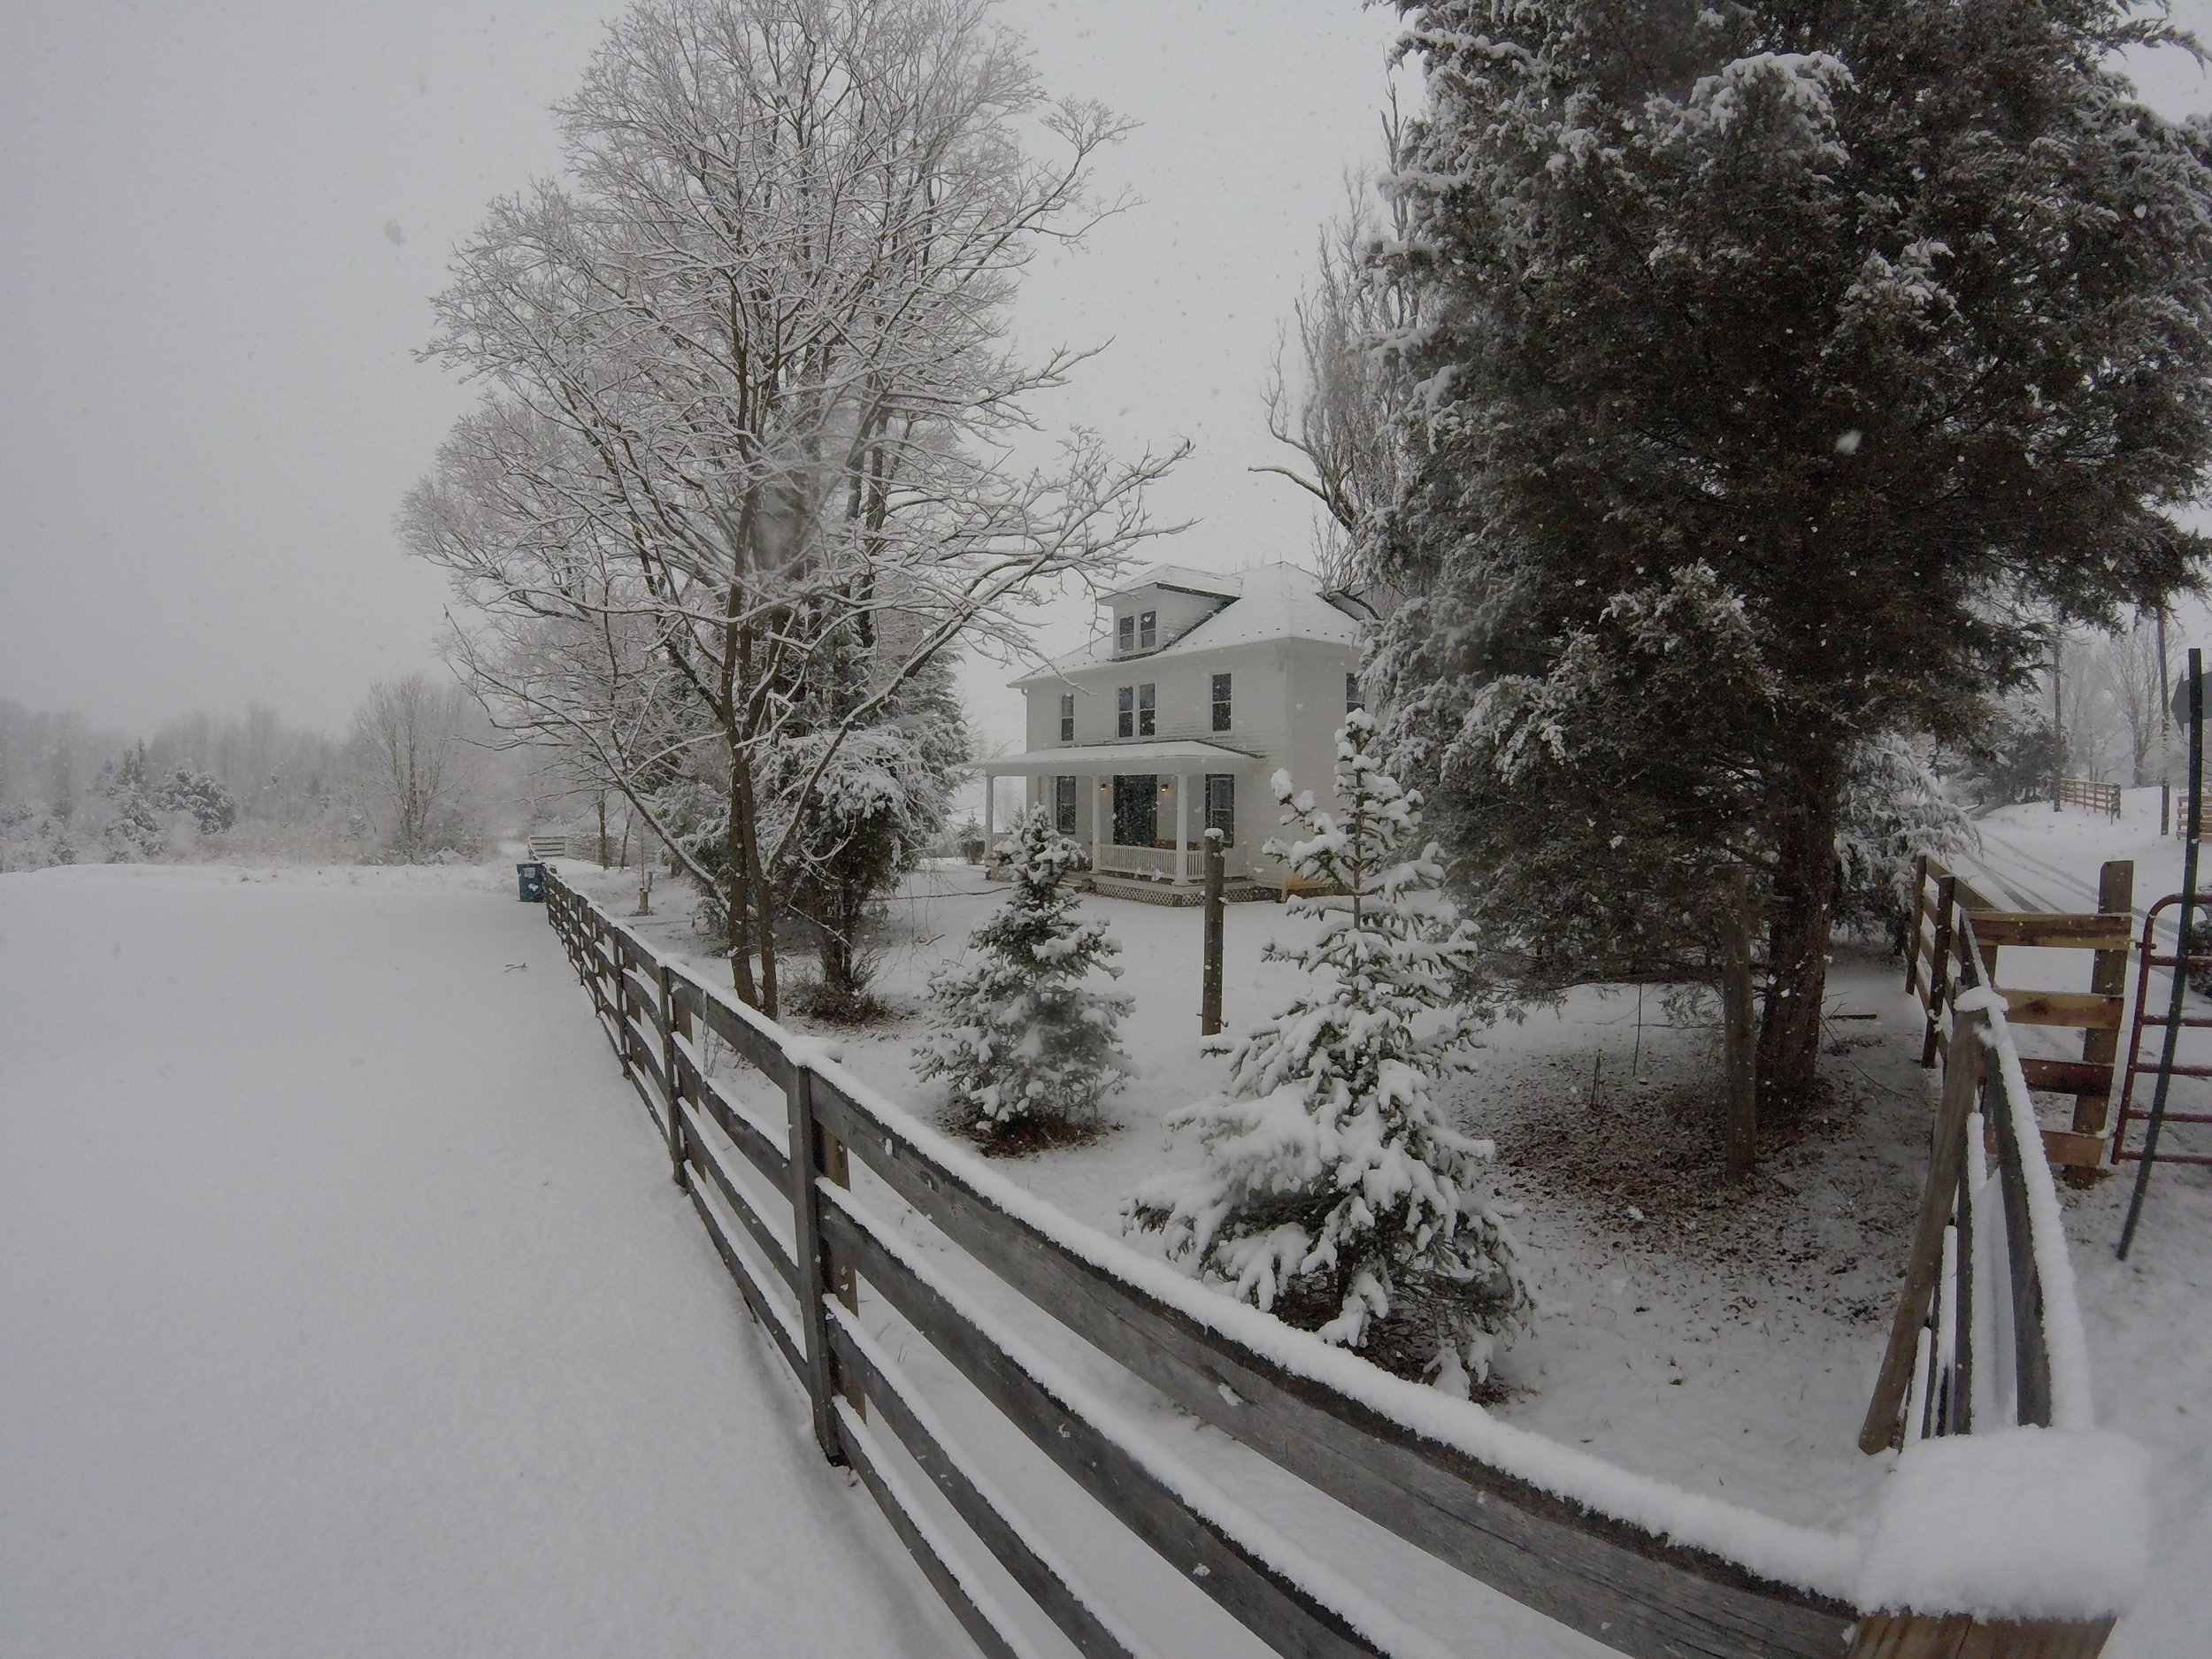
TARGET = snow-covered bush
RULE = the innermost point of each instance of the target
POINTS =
(1895, 810)
(1021, 1036)
(1332, 1191)
(202, 796)
(32, 838)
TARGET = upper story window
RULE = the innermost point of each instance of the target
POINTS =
(1221, 702)
(1126, 711)
(1145, 710)
(1126, 634)
(1148, 630)
(1067, 717)
(1352, 699)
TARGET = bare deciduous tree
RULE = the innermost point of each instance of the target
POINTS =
(411, 763)
(750, 399)
(1343, 417)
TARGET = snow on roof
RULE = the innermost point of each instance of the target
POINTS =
(1183, 576)
(1273, 602)
(1154, 754)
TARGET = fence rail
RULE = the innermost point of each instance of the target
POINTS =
(2097, 797)
(1640, 1567)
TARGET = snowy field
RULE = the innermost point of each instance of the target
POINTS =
(346, 1307)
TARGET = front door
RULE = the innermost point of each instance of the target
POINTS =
(1136, 809)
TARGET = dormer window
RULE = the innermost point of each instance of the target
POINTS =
(1125, 635)
(1148, 630)
(1067, 717)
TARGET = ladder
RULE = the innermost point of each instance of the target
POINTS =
(2137, 1066)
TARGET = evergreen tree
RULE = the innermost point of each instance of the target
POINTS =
(1020, 1036)
(134, 829)
(201, 795)
(1785, 370)
(1333, 1190)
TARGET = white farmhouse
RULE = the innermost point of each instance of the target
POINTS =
(1173, 720)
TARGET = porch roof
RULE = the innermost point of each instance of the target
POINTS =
(1169, 754)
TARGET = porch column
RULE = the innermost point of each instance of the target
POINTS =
(1182, 829)
(1098, 817)
(990, 814)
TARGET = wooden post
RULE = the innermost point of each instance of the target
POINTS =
(1741, 1134)
(2031, 1361)
(1963, 1067)
(817, 1272)
(1209, 993)
(2108, 977)
(675, 1100)
(1939, 963)
(2058, 721)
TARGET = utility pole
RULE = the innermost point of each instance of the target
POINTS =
(2165, 736)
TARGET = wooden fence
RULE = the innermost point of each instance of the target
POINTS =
(2097, 797)
(1940, 963)
(1640, 1573)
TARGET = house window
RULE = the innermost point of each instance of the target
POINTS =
(1126, 711)
(1352, 699)
(1148, 630)
(1144, 711)
(1067, 717)
(1221, 805)
(1063, 804)
(1221, 702)
(1125, 635)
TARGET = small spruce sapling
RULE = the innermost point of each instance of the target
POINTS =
(1331, 1190)
(1020, 1036)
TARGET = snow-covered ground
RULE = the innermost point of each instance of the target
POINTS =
(346, 1307)
(1724, 1342)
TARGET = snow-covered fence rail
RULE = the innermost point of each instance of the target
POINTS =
(1027, 1306)
(1938, 965)
(2095, 797)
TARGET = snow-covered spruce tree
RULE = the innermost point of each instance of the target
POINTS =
(1021, 1036)
(1893, 316)
(1332, 1191)
(135, 829)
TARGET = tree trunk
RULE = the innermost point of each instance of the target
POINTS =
(1797, 937)
(762, 901)
(737, 887)
(1740, 1118)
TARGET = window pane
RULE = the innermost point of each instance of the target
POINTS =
(1351, 694)
(1063, 803)
(1221, 806)
(1144, 711)
(1221, 702)
(1126, 635)
(1124, 715)
(1148, 630)
(1067, 718)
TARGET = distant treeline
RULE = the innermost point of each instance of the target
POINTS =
(416, 777)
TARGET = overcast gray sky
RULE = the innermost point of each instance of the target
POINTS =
(220, 223)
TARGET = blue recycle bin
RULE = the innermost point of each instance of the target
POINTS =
(531, 879)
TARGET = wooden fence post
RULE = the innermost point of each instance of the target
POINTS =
(1963, 1067)
(670, 1072)
(818, 1274)
(1210, 994)
(2108, 977)
(1938, 964)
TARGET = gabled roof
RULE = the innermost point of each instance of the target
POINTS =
(1272, 602)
